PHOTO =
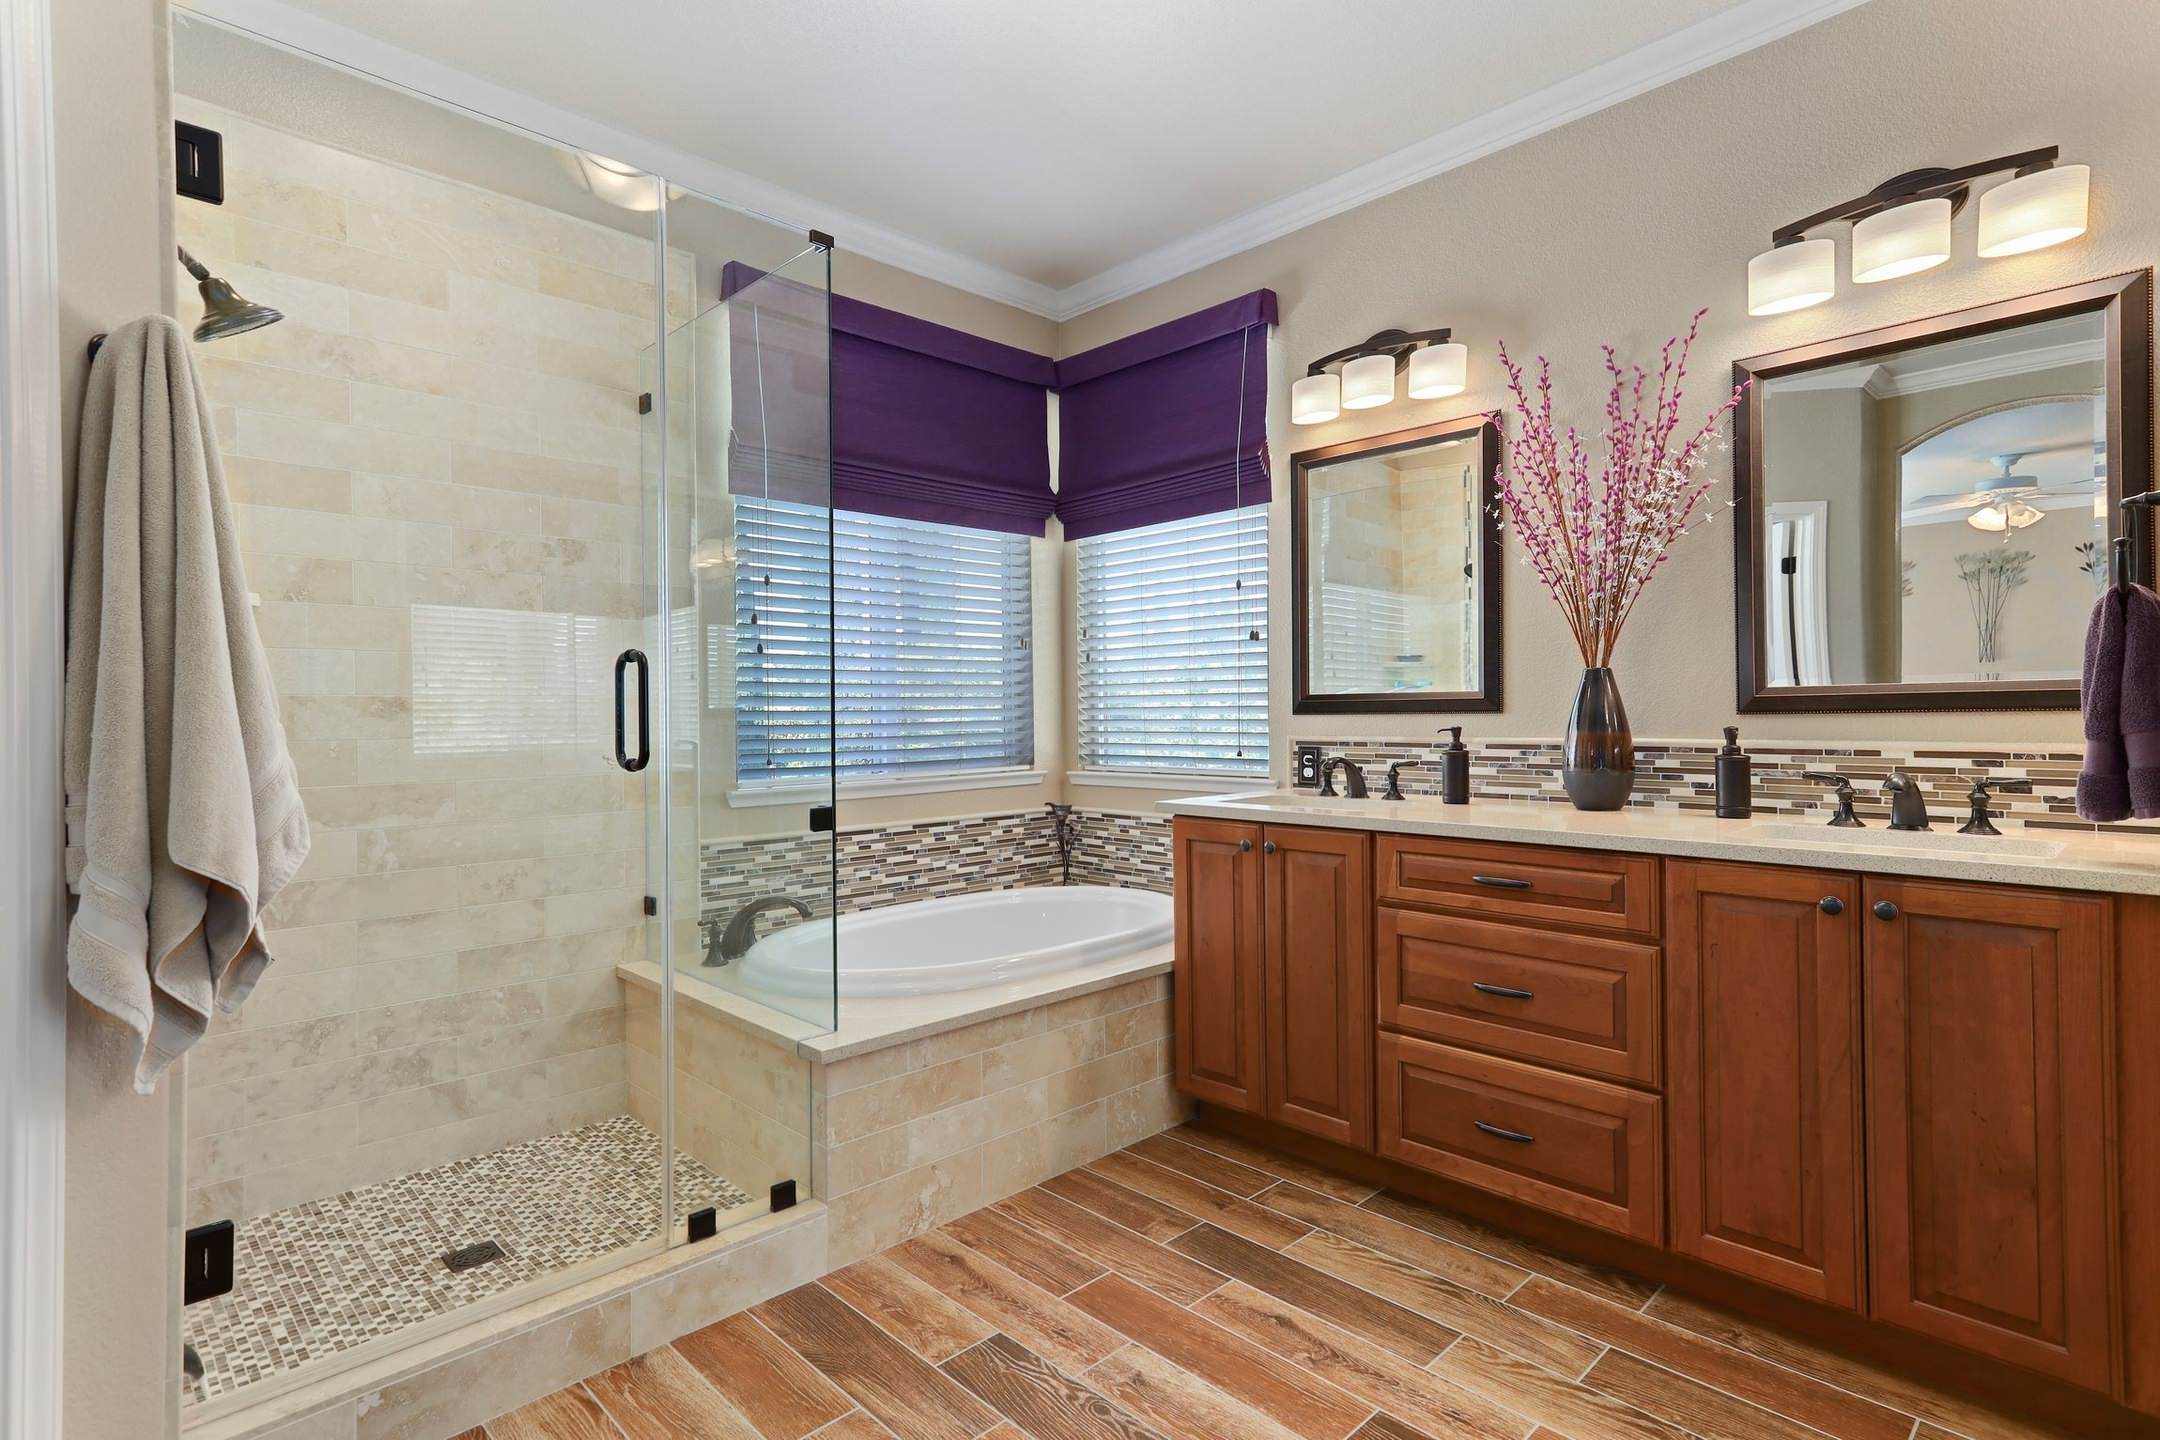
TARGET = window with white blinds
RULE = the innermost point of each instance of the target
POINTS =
(931, 628)
(1173, 647)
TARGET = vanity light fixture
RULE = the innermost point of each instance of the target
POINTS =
(2034, 211)
(1368, 381)
(1314, 398)
(1362, 376)
(1902, 227)
(1894, 243)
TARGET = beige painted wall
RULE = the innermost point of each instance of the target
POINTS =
(120, 1345)
(1617, 227)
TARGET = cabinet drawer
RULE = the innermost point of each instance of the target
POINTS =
(1578, 1001)
(1527, 882)
(1579, 1148)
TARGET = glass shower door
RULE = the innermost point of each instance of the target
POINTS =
(745, 491)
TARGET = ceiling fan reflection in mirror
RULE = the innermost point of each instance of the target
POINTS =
(2005, 501)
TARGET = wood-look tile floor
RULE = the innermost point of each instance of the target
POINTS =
(1198, 1286)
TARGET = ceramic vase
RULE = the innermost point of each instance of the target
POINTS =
(1597, 756)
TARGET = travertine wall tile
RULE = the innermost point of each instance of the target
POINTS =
(988, 1109)
(446, 417)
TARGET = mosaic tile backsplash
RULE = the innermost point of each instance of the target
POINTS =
(1680, 775)
(929, 859)
(923, 860)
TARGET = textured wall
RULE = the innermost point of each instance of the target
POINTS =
(441, 435)
(121, 1345)
(1615, 228)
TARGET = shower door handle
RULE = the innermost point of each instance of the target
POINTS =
(644, 734)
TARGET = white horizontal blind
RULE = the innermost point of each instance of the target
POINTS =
(930, 628)
(494, 680)
(1363, 634)
(1173, 646)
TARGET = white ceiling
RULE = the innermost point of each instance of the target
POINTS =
(1051, 155)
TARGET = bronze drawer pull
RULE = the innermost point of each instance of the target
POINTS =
(1505, 992)
(1501, 882)
(1499, 1134)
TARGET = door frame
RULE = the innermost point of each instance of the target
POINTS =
(33, 997)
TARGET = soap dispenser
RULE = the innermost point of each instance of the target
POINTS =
(1735, 779)
(1454, 769)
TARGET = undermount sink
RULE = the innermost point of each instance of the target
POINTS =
(1939, 842)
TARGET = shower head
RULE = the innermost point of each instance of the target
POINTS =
(224, 311)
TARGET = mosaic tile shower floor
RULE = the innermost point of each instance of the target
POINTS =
(338, 1272)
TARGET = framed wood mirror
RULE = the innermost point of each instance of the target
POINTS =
(1926, 511)
(1395, 573)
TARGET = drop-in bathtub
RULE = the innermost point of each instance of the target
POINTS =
(963, 942)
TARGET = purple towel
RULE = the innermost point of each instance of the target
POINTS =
(2120, 698)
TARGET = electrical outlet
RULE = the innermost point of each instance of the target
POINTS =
(1308, 767)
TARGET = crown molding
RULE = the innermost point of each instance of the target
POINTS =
(1645, 68)
(295, 29)
(1989, 367)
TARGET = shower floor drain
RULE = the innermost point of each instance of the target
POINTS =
(472, 1257)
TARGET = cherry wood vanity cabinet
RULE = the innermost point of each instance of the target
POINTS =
(1273, 999)
(1762, 1019)
(1990, 1120)
(1914, 1119)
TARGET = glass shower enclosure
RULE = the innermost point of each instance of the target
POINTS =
(532, 483)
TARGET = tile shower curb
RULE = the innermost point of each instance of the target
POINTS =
(494, 1363)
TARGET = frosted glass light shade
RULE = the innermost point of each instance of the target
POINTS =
(1367, 381)
(2034, 211)
(2012, 515)
(1438, 371)
(1315, 398)
(1791, 277)
(1913, 237)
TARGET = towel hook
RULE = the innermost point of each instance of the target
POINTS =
(2133, 507)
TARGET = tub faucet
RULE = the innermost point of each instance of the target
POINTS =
(1908, 804)
(1353, 779)
(1067, 832)
(735, 941)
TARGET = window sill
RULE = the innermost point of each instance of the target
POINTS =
(752, 796)
(1196, 783)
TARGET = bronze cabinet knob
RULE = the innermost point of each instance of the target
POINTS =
(1830, 905)
(1884, 910)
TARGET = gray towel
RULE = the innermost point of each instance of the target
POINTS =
(2120, 698)
(183, 808)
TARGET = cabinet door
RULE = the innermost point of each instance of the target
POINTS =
(1319, 982)
(1216, 988)
(1989, 1077)
(1763, 1055)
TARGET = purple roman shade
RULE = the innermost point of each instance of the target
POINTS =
(928, 423)
(1166, 424)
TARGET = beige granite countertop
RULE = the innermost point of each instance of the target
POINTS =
(2060, 859)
